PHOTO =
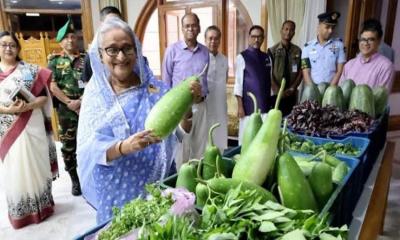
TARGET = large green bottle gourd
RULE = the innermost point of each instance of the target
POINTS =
(257, 161)
(254, 124)
(166, 114)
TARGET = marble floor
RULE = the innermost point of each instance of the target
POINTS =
(73, 216)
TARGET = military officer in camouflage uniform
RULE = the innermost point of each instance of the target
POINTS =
(286, 58)
(323, 58)
(67, 87)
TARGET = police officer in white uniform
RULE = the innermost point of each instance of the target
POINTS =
(323, 58)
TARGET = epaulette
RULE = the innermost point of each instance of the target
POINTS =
(339, 39)
(52, 55)
(306, 44)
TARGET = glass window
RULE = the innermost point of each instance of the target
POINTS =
(204, 14)
(238, 28)
(151, 44)
(43, 4)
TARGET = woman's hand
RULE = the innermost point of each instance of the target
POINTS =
(195, 89)
(74, 105)
(138, 141)
(18, 106)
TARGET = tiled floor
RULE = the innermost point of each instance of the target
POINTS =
(73, 216)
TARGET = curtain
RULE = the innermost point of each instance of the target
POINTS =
(310, 21)
(303, 12)
(295, 12)
(276, 16)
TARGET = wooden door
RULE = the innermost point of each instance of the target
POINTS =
(170, 16)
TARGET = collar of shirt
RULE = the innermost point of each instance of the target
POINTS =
(72, 57)
(184, 46)
(315, 42)
(281, 46)
(364, 60)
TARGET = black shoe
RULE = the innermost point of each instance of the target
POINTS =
(76, 187)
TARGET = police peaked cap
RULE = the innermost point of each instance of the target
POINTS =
(330, 18)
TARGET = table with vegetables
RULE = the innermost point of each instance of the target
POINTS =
(293, 178)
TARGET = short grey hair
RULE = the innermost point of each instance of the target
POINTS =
(114, 23)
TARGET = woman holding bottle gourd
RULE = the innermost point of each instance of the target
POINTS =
(116, 156)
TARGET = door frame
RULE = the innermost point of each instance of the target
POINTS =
(187, 6)
(85, 12)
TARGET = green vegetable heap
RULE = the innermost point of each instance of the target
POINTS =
(137, 213)
(299, 144)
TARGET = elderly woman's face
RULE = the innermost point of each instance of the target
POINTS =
(118, 53)
(8, 48)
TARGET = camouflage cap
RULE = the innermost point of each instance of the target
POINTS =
(67, 28)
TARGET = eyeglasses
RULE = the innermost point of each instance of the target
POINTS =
(10, 45)
(257, 36)
(367, 40)
(192, 26)
(114, 51)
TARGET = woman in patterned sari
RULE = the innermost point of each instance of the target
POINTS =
(27, 153)
(116, 156)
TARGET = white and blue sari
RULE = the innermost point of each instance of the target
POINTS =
(106, 118)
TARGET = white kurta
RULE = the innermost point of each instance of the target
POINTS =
(194, 143)
(216, 102)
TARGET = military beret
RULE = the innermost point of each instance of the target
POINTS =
(64, 30)
(329, 18)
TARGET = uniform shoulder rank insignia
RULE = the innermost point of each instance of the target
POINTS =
(152, 89)
(306, 44)
(339, 39)
(52, 55)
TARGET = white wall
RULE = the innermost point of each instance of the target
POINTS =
(254, 9)
(133, 10)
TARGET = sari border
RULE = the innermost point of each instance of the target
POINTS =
(36, 217)
(42, 80)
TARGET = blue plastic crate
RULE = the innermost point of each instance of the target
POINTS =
(90, 234)
(362, 145)
(367, 134)
(358, 142)
(340, 202)
(230, 152)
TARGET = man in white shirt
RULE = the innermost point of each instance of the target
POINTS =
(217, 76)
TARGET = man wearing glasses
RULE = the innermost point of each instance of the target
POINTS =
(369, 66)
(67, 87)
(322, 59)
(253, 74)
(183, 59)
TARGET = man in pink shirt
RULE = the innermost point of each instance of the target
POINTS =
(369, 66)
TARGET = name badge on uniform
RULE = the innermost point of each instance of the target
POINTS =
(81, 84)
(313, 51)
(294, 68)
